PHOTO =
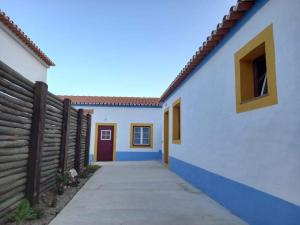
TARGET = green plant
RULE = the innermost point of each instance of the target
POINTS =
(84, 173)
(62, 178)
(39, 213)
(25, 212)
(92, 168)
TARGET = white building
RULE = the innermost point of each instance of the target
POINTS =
(123, 128)
(233, 114)
(19, 53)
(229, 123)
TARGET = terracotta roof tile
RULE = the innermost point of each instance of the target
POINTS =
(235, 14)
(113, 101)
(10, 25)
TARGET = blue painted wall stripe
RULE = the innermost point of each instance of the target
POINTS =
(137, 156)
(134, 156)
(253, 206)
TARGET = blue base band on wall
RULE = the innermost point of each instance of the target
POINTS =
(138, 156)
(253, 206)
(91, 159)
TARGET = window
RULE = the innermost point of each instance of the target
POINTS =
(255, 73)
(176, 126)
(105, 135)
(141, 135)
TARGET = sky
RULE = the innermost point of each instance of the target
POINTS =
(116, 47)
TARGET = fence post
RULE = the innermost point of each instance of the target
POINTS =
(36, 141)
(78, 140)
(65, 135)
(87, 141)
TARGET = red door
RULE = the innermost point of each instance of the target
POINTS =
(105, 143)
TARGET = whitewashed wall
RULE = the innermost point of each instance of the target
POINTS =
(123, 117)
(259, 148)
(20, 58)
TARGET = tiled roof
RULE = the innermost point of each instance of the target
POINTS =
(235, 14)
(9, 24)
(112, 101)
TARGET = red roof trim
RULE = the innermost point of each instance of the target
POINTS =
(235, 14)
(112, 101)
(24, 38)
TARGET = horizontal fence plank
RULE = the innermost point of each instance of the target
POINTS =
(13, 171)
(16, 101)
(11, 201)
(12, 178)
(49, 149)
(53, 118)
(15, 119)
(6, 187)
(12, 151)
(48, 163)
(12, 158)
(49, 167)
(53, 109)
(12, 192)
(12, 144)
(4, 123)
(11, 165)
(16, 112)
(13, 131)
(8, 103)
(6, 83)
(17, 79)
(15, 94)
(57, 115)
(55, 99)
(11, 74)
(13, 137)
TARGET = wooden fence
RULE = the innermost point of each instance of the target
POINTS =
(40, 135)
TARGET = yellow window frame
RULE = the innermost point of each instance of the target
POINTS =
(132, 125)
(264, 38)
(176, 122)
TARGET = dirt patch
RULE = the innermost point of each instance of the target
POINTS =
(51, 204)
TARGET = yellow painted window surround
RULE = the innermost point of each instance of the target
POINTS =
(141, 135)
(176, 122)
(248, 94)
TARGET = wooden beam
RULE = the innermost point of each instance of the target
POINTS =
(36, 141)
(78, 141)
(87, 141)
(65, 135)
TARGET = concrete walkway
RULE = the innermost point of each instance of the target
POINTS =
(141, 193)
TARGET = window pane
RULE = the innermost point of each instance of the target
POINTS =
(146, 135)
(137, 141)
(137, 136)
(146, 130)
(146, 141)
(105, 135)
(137, 130)
(260, 78)
(141, 135)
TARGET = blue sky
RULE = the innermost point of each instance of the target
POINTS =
(116, 47)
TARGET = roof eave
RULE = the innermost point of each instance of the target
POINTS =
(235, 14)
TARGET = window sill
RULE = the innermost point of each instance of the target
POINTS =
(256, 103)
(141, 146)
(176, 141)
(254, 99)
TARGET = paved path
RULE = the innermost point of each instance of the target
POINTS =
(141, 193)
